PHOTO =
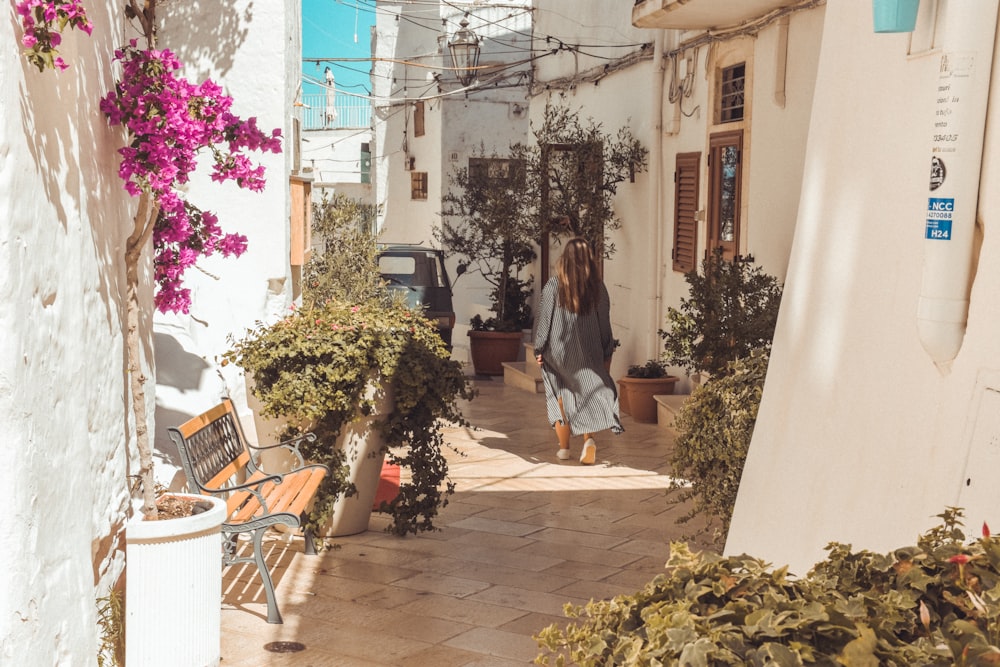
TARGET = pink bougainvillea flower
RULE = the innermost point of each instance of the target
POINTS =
(170, 122)
(39, 19)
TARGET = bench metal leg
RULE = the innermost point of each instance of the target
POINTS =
(273, 615)
(310, 543)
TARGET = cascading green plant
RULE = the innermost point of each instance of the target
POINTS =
(312, 369)
(714, 428)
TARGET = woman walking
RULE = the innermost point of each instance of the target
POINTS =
(573, 346)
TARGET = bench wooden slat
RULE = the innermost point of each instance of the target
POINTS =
(195, 424)
(293, 495)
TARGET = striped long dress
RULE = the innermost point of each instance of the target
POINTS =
(573, 348)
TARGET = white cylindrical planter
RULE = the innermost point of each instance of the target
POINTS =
(173, 596)
(362, 444)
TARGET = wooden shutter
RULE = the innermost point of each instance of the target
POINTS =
(418, 118)
(685, 209)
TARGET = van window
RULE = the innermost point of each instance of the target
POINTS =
(397, 265)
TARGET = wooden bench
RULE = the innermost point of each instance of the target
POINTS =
(218, 460)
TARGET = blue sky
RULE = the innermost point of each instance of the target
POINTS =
(337, 29)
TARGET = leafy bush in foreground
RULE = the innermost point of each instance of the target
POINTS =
(936, 603)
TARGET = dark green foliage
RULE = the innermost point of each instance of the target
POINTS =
(731, 311)
(517, 310)
(654, 368)
(933, 604)
(714, 428)
(312, 368)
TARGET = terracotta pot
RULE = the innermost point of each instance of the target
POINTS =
(490, 349)
(635, 396)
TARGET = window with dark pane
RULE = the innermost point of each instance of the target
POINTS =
(366, 162)
(731, 97)
(729, 156)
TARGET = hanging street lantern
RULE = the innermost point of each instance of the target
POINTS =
(464, 49)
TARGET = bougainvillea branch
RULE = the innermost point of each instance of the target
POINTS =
(170, 121)
(39, 19)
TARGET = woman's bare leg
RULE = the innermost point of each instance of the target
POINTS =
(563, 431)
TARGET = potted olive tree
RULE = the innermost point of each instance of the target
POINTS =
(575, 168)
(488, 222)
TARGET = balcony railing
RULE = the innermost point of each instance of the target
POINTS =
(346, 111)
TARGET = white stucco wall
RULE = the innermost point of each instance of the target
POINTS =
(860, 438)
(63, 397)
(334, 156)
(253, 50)
(63, 219)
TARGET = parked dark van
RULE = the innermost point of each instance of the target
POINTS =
(418, 273)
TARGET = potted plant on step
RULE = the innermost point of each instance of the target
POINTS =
(638, 389)
(488, 222)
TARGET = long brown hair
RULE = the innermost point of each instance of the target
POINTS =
(579, 283)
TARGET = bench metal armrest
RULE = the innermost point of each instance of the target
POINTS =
(292, 445)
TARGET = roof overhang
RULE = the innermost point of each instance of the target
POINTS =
(700, 14)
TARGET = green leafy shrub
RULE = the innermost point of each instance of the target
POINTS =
(935, 604)
(345, 264)
(731, 311)
(654, 368)
(714, 428)
(312, 369)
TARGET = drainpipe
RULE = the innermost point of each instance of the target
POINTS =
(961, 92)
(656, 194)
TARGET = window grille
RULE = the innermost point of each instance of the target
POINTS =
(731, 97)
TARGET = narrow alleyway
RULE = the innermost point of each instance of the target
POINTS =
(523, 535)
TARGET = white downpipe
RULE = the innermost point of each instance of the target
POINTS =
(656, 194)
(967, 33)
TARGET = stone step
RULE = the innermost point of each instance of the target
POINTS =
(519, 374)
(667, 407)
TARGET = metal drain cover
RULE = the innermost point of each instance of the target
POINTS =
(284, 647)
